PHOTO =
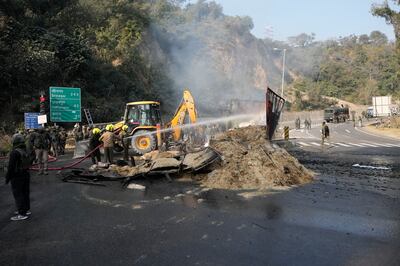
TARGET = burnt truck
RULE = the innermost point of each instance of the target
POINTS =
(336, 114)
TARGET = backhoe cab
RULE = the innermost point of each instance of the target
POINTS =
(142, 119)
(145, 125)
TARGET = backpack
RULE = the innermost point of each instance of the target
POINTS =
(25, 162)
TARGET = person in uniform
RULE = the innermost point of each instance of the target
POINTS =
(94, 142)
(18, 175)
(108, 139)
(125, 144)
(324, 132)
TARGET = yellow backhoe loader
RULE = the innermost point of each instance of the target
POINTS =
(145, 125)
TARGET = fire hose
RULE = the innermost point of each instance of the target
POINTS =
(54, 159)
(71, 165)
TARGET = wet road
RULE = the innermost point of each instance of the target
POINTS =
(348, 216)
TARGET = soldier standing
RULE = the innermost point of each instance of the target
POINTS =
(324, 132)
(53, 143)
(41, 144)
(63, 140)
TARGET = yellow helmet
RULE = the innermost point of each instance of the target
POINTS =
(124, 127)
(96, 131)
(110, 127)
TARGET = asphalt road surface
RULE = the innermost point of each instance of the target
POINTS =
(348, 216)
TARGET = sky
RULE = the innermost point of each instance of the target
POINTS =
(328, 19)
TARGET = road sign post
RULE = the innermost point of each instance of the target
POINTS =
(65, 104)
(31, 120)
(42, 120)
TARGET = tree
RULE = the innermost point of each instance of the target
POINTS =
(363, 39)
(391, 16)
(302, 39)
(378, 38)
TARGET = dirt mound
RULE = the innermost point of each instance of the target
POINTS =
(251, 162)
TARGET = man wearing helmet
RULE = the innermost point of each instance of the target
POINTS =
(108, 139)
(94, 142)
(18, 175)
(125, 143)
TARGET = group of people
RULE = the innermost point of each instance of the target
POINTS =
(82, 132)
(29, 147)
(307, 123)
(108, 138)
(39, 143)
(35, 145)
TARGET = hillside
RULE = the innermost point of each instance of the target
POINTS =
(119, 51)
(352, 68)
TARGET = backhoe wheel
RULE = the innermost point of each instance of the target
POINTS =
(143, 141)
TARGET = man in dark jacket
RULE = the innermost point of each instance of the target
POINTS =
(18, 175)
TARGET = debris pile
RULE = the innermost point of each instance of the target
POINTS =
(251, 162)
(237, 159)
(157, 163)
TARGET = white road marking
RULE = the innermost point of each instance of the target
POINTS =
(342, 144)
(304, 144)
(381, 144)
(392, 145)
(371, 167)
(330, 144)
(350, 144)
(370, 145)
(315, 143)
(357, 145)
(348, 131)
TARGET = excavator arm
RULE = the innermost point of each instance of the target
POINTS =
(185, 107)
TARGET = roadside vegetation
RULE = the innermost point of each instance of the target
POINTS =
(119, 51)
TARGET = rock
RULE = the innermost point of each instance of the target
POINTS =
(102, 165)
(136, 186)
(93, 168)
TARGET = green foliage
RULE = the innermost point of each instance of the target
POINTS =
(392, 17)
(310, 95)
(93, 44)
(353, 68)
(124, 50)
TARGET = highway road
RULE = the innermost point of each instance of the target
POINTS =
(348, 216)
(342, 136)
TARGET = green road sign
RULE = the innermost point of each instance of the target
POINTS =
(65, 104)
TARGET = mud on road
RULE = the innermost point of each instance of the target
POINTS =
(363, 169)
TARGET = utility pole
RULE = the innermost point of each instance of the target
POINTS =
(283, 68)
(283, 71)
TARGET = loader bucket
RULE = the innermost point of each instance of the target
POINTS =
(81, 147)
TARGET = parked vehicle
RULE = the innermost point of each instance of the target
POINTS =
(336, 114)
